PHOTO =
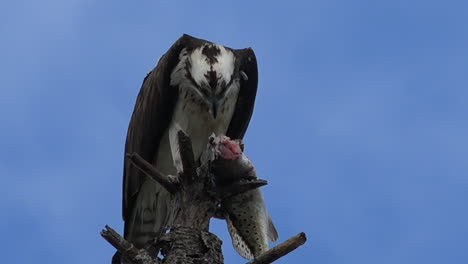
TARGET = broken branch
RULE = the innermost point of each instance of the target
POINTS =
(128, 251)
(186, 155)
(152, 172)
(280, 250)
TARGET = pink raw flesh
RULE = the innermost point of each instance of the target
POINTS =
(231, 148)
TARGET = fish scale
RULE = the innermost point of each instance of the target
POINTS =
(247, 222)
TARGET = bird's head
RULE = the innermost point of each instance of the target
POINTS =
(212, 71)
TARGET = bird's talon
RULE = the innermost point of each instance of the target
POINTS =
(174, 178)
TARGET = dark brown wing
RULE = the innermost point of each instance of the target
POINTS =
(151, 117)
(247, 62)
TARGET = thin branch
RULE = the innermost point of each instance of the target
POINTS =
(186, 154)
(219, 178)
(128, 251)
(280, 250)
(152, 172)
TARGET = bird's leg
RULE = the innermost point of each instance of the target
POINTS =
(174, 144)
(175, 179)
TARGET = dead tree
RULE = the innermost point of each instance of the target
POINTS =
(195, 200)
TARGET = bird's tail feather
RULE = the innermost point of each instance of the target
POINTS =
(149, 216)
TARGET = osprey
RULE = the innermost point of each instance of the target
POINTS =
(199, 87)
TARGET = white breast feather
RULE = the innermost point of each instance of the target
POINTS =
(200, 66)
(189, 116)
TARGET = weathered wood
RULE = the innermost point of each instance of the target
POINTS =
(195, 199)
(150, 171)
(280, 250)
(186, 155)
(130, 253)
(191, 246)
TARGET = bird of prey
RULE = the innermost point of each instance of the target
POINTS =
(199, 87)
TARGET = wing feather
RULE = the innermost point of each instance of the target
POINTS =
(150, 119)
(247, 65)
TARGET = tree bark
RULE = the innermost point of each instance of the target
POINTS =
(196, 198)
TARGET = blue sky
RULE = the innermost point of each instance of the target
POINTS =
(359, 127)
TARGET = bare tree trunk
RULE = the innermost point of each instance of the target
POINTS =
(195, 200)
